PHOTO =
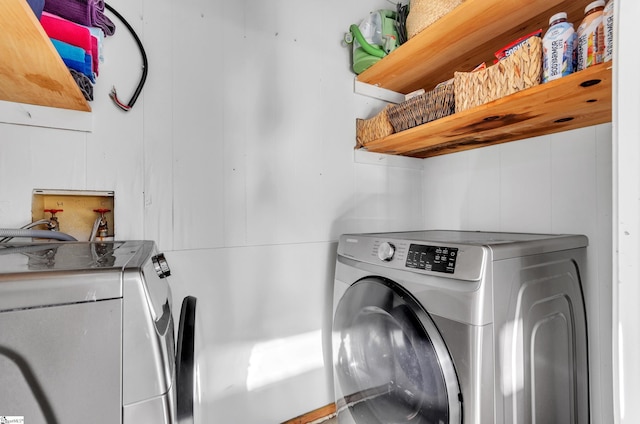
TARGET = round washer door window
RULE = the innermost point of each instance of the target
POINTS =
(390, 361)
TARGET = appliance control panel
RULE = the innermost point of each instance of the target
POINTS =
(432, 258)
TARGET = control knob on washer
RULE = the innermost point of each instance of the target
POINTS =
(160, 265)
(386, 251)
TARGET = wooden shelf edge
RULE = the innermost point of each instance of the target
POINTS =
(578, 100)
(452, 43)
(44, 116)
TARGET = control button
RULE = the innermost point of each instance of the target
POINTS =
(386, 251)
(160, 265)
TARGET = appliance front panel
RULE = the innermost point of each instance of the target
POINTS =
(62, 364)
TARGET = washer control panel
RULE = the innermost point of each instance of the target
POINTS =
(432, 258)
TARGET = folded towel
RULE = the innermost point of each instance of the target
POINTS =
(71, 33)
(36, 6)
(95, 55)
(99, 35)
(83, 83)
(83, 12)
(74, 58)
(66, 31)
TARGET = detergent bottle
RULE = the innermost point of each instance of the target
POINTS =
(373, 39)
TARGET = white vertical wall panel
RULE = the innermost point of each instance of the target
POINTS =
(232, 55)
(483, 200)
(573, 180)
(158, 118)
(263, 333)
(525, 185)
(626, 238)
(35, 157)
(198, 150)
(446, 180)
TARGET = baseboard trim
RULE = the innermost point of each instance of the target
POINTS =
(315, 415)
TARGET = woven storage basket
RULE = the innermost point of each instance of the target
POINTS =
(424, 108)
(374, 128)
(423, 13)
(522, 69)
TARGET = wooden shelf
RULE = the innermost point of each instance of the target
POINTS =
(575, 101)
(462, 39)
(31, 70)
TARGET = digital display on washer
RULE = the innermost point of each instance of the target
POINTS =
(432, 258)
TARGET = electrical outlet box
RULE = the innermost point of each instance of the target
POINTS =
(77, 216)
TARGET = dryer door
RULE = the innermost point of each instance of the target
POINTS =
(391, 364)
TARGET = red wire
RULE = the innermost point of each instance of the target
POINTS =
(114, 97)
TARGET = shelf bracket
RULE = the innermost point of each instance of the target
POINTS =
(376, 92)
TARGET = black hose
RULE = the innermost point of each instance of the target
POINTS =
(145, 65)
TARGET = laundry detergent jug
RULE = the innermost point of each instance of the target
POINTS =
(374, 38)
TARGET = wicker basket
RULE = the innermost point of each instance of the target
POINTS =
(374, 128)
(423, 13)
(427, 107)
(522, 69)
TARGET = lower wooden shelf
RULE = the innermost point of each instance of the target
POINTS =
(579, 100)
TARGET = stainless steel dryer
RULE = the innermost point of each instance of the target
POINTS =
(453, 327)
(87, 335)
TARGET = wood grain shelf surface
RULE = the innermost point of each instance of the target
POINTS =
(464, 38)
(578, 100)
(31, 70)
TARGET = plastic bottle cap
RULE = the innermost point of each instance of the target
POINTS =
(594, 4)
(557, 16)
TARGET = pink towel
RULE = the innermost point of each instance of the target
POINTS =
(71, 33)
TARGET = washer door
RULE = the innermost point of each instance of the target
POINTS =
(391, 363)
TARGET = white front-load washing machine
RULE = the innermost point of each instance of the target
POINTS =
(450, 327)
(87, 336)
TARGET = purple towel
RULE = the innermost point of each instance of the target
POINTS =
(83, 12)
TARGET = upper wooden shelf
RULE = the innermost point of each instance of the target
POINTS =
(462, 39)
(31, 70)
